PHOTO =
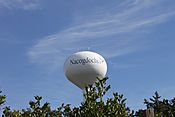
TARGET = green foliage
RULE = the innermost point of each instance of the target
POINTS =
(93, 106)
(35, 110)
(162, 107)
(2, 98)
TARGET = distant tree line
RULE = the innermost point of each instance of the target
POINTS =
(93, 105)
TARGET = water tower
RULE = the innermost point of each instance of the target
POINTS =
(83, 68)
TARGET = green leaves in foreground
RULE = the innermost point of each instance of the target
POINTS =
(93, 105)
(162, 107)
(2, 98)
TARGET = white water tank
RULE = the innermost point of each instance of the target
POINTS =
(83, 68)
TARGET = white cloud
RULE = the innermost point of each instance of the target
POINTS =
(105, 31)
(19, 4)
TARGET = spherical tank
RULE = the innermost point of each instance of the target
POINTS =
(83, 68)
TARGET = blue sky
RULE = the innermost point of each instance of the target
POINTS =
(136, 38)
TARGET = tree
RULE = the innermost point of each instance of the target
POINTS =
(93, 105)
(2, 98)
(162, 107)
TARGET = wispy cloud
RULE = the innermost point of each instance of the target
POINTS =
(108, 30)
(19, 4)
